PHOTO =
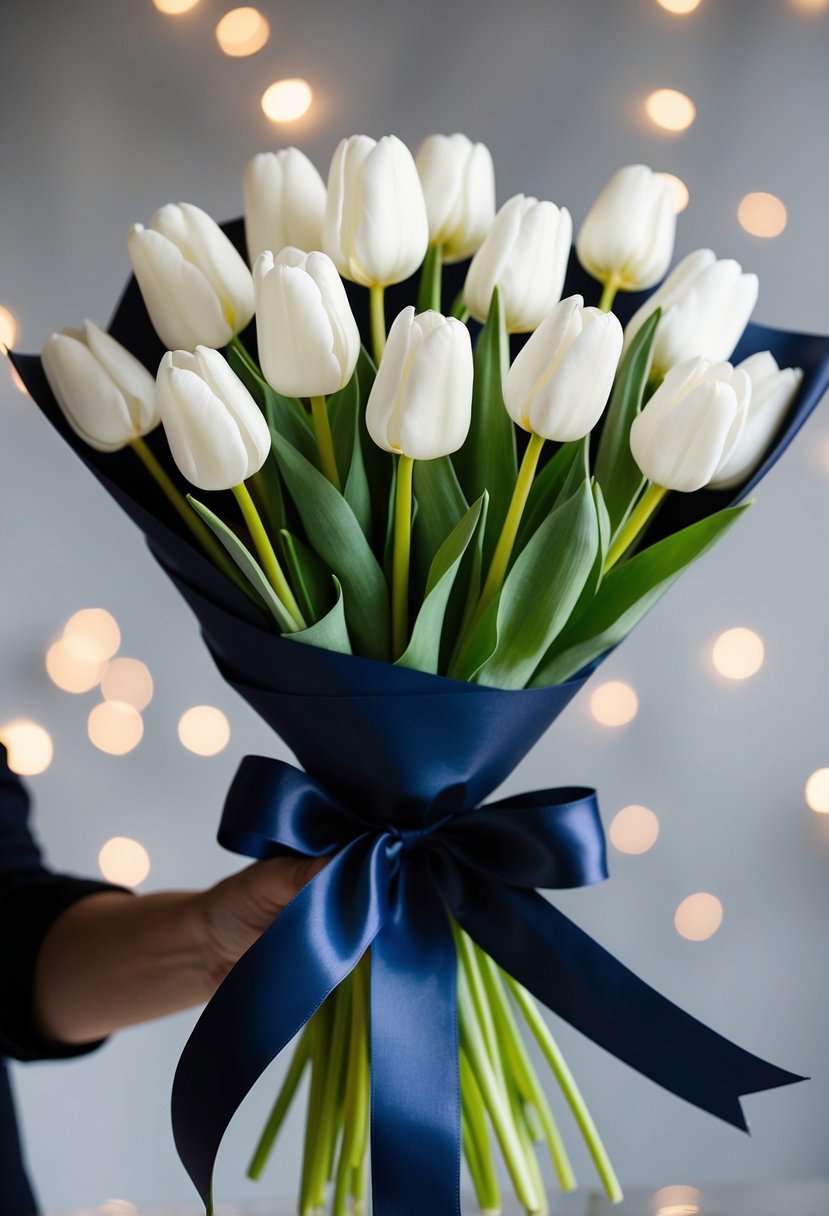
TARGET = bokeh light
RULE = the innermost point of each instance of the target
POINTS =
(762, 214)
(634, 829)
(204, 730)
(115, 727)
(287, 100)
(174, 7)
(679, 7)
(679, 191)
(698, 917)
(811, 6)
(817, 791)
(118, 1207)
(97, 627)
(29, 745)
(126, 862)
(614, 703)
(17, 381)
(676, 1201)
(128, 680)
(738, 653)
(242, 31)
(670, 109)
(8, 329)
(75, 664)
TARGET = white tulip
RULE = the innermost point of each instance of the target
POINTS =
(107, 395)
(309, 342)
(216, 431)
(196, 286)
(421, 403)
(525, 256)
(705, 305)
(560, 382)
(772, 392)
(376, 230)
(691, 426)
(627, 237)
(284, 202)
(458, 180)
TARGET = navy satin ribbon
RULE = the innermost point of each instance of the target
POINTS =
(392, 888)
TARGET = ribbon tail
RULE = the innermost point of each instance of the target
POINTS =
(269, 995)
(415, 1091)
(584, 984)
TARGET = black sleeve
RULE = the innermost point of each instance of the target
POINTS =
(31, 899)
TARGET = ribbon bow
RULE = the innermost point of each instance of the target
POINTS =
(392, 886)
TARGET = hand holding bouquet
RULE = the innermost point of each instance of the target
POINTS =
(441, 524)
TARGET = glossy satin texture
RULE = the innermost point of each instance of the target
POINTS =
(395, 750)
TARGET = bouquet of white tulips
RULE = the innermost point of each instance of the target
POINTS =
(489, 486)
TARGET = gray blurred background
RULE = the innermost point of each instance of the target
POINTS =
(109, 109)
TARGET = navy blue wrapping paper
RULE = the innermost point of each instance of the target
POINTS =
(397, 764)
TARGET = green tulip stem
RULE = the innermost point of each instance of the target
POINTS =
(566, 1081)
(640, 515)
(459, 310)
(269, 560)
(244, 354)
(476, 1140)
(378, 320)
(431, 279)
(609, 292)
(506, 541)
(177, 500)
(402, 554)
(286, 1095)
(325, 441)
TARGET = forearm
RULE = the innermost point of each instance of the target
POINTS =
(112, 960)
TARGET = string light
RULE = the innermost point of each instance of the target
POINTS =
(287, 100)
(762, 215)
(614, 703)
(97, 627)
(173, 8)
(115, 727)
(817, 791)
(634, 829)
(74, 664)
(738, 653)
(8, 329)
(204, 730)
(126, 862)
(128, 680)
(680, 191)
(29, 745)
(242, 31)
(670, 109)
(698, 917)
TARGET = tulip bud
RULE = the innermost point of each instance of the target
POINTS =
(705, 305)
(421, 403)
(525, 255)
(309, 342)
(106, 394)
(196, 286)
(561, 380)
(284, 202)
(375, 231)
(628, 234)
(458, 180)
(692, 424)
(216, 431)
(772, 392)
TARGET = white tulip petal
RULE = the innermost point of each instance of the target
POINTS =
(285, 201)
(183, 307)
(382, 401)
(92, 403)
(240, 405)
(436, 408)
(391, 239)
(216, 255)
(489, 264)
(129, 374)
(772, 394)
(629, 232)
(204, 440)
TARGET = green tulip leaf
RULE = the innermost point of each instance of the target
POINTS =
(431, 280)
(309, 577)
(247, 563)
(378, 463)
(626, 594)
(345, 411)
(616, 471)
(541, 591)
(441, 504)
(334, 533)
(330, 632)
(423, 650)
(545, 491)
(487, 460)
